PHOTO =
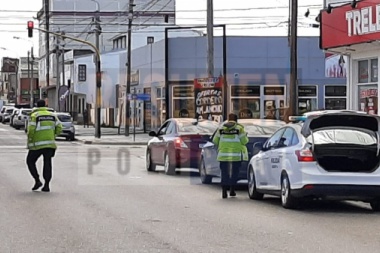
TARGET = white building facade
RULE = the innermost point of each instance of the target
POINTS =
(353, 30)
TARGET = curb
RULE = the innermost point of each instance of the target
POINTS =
(112, 143)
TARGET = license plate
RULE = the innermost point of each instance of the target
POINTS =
(201, 145)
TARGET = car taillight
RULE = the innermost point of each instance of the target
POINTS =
(179, 143)
(305, 155)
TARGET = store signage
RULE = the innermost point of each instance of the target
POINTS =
(245, 91)
(209, 98)
(346, 26)
(307, 91)
(274, 90)
(183, 91)
(368, 93)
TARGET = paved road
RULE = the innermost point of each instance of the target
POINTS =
(136, 211)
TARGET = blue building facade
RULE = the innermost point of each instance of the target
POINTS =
(257, 71)
(257, 76)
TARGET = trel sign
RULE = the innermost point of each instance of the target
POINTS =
(346, 26)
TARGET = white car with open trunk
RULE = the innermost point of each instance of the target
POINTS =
(328, 155)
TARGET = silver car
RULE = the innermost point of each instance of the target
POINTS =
(21, 117)
(68, 129)
(6, 115)
(258, 131)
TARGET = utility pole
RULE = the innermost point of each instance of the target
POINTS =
(31, 77)
(58, 85)
(129, 66)
(31, 103)
(293, 59)
(63, 69)
(47, 41)
(210, 38)
(98, 30)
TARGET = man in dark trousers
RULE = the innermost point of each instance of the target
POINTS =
(43, 127)
(231, 140)
(85, 118)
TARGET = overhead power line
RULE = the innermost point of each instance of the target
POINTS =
(197, 10)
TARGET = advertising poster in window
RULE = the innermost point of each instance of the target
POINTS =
(368, 99)
(209, 98)
(335, 66)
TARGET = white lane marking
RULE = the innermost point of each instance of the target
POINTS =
(4, 129)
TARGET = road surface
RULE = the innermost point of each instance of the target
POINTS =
(115, 209)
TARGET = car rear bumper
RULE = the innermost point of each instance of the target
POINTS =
(186, 158)
(339, 191)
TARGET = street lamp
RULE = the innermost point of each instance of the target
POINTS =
(31, 69)
(16, 64)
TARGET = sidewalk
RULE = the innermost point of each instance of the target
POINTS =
(115, 140)
(90, 131)
(110, 136)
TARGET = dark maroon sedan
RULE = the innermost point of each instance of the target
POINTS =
(178, 144)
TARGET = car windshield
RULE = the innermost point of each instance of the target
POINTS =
(64, 118)
(205, 127)
(260, 129)
(9, 110)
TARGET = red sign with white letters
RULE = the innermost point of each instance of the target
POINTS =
(346, 26)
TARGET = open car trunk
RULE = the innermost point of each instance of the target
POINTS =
(345, 142)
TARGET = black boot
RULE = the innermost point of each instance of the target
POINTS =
(224, 192)
(46, 188)
(37, 185)
(232, 191)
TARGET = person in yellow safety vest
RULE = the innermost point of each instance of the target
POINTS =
(43, 127)
(231, 140)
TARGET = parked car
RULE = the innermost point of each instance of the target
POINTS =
(178, 144)
(6, 116)
(27, 118)
(19, 120)
(3, 109)
(13, 115)
(68, 129)
(325, 155)
(258, 131)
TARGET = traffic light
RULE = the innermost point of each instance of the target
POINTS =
(30, 29)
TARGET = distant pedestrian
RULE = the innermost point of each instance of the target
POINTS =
(231, 140)
(43, 127)
(85, 118)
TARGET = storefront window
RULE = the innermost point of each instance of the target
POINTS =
(246, 108)
(368, 98)
(307, 98)
(245, 101)
(374, 70)
(183, 101)
(363, 71)
(335, 97)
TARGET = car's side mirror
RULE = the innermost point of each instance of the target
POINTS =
(257, 147)
(152, 134)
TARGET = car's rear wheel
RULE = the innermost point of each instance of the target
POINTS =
(252, 192)
(150, 166)
(205, 179)
(375, 205)
(169, 168)
(287, 200)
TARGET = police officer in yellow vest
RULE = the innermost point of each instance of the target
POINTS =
(43, 127)
(231, 140)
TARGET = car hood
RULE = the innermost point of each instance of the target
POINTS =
(340, 120)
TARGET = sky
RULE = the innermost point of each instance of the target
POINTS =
(242, 17)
